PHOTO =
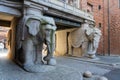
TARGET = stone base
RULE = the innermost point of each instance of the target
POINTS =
(11, 71)
(39, 68)
(64, 73)
(57, 73)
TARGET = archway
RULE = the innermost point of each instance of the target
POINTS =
(62, 33)
(4, 47)
(7, 28)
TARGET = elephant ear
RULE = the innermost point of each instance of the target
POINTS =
(33, 26)
(98, 31)
(48, 20)
(89, 31)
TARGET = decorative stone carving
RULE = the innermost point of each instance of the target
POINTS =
(32, 31)
(93, 35)
(87, 37)
(78, 39)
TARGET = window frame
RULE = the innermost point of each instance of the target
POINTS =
(99, 7)
(119, 4)
(89, 4)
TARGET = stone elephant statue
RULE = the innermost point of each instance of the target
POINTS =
(93, 36)
(86, 37)
(77, 38)
(32, 32)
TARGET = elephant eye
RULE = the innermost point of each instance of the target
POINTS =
(51, 24)
(96, 33)
(47, 29)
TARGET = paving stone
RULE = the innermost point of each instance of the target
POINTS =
(10, 71)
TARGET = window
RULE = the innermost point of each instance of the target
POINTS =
(99, 7)
(89, 7)
(119, 3)
(99, 25)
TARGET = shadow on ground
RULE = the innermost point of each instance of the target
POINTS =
(113, 75)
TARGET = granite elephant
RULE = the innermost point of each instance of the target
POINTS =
(93, 36)
(31, 34)
(86, 37)
(78, 39)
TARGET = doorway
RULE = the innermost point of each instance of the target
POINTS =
(7, 28)
(62, 33)
(4, 47)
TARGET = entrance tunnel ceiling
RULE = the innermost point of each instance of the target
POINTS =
(5, 19)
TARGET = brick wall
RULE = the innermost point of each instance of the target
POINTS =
(100, 12)
(98, 16)
(97, 7)
(83, 5)
(105, 27)
(114, 26)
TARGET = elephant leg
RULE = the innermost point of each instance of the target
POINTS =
(50, 51)
(49, 57)
(91, 50)
(95, 46)
(28, 51)
(94, 49)
(84, 48)
(50, 39)
(38, 59)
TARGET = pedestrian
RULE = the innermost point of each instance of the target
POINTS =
(1, 46)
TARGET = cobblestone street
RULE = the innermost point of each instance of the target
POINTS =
(59, 39)
(10, 71)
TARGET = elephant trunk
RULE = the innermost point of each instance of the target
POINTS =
(50, 45)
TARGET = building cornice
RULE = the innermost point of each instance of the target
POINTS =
(48, 7)
(12, 8)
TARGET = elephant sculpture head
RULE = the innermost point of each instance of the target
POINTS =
(86, 37)
(48, 29)
(93, 35)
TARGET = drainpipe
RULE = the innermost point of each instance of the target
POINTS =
(103, 29)
(108, 28)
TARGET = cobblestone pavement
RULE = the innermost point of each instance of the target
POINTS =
(113, 75)
(83, 66)
(111, 63)
(108, 61)
(10, 71)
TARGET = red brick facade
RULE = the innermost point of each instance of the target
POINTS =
(108, 20)
(114, 12)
